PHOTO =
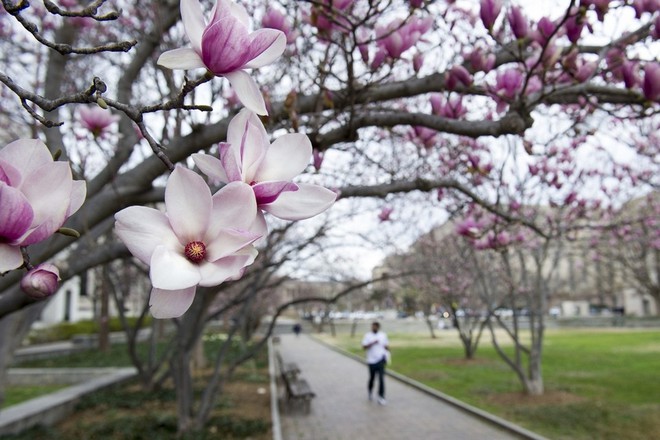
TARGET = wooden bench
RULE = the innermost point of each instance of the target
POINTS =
(290, 369)
(297, 389)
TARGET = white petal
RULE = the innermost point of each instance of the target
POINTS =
(212, 167)
(78, 194)
(10, 258)
(307, 202)
(285, 158)
(170, 270)
(234, 207)
(188, 203)
(192, 17)
(254, 147)
(26, 155)
(272, 53)
(142, 229)
(183, 58)
(223, 269)
(247, 91)
(171, 303)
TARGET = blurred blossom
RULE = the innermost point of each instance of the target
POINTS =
(481, 61)
(469, 227)
(37, 195)
(425, 135)
(544, 30)
(651, 85)
(416, 3)
(397, 37)
(458, 75)
(274, 19)
(226, 48)
(574, 25)
(489, 11)
(418, 62)
(507, 86)
(96, 120)
(385, 214)
(600, 6)
(317, 159)
(41, 281)
(518, 22)
(331, 15)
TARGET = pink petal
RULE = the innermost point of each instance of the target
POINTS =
(287, 157)
(15, 213)
(231, 162)
(171, 303)
(49, 194)
(212, 167)
(268, 192)
(171, 270)
(188, 203)
(143, 229)
(10, 258)
(266, 46)
(183, 58)
(247, 91)
(194, 24)
(308, 201)
(223, 269)
(225, 46)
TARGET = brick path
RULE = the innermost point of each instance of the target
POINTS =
(341, 410)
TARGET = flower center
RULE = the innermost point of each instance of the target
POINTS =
(195, 251)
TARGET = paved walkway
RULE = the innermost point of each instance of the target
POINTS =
(341, 410)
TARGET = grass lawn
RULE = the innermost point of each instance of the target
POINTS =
(600, 384)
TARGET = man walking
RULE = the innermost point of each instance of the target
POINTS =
(376, 345)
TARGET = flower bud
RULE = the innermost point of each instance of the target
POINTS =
(41, 282)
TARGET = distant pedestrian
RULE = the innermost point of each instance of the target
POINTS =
(297, 329)
(377, 346)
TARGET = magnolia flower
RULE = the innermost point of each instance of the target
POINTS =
(489, 11)
(518, 22)
(274, 19)
(41, 281)
(226, 48)
(96, 120)
(37, 195)
(248, 156)
(651, 85)
(201, 239)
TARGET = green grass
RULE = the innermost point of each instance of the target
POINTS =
(20, 393)
(600, 384)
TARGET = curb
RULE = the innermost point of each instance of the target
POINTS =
(488, 417)
(274, 404)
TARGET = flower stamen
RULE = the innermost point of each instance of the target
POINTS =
(195, 251)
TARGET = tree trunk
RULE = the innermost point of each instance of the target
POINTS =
(181, 374)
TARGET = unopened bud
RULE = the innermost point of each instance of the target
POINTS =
(41, 282)
(101, 102)
(70, 232)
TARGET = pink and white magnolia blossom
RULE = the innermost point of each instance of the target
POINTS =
(248, 156)
(41, 281)
(37, 195)
(201, 239)
(96, 120)
(226, 48)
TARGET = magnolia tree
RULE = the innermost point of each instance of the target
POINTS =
(184, 125)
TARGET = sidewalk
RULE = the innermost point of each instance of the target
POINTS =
(341, 410)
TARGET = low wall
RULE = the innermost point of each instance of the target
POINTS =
(51, 408)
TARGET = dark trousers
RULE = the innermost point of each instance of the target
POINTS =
(377, 369)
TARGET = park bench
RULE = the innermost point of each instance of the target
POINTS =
(297, 389)
(290, 369)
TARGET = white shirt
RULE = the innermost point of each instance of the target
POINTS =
(376, 352)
